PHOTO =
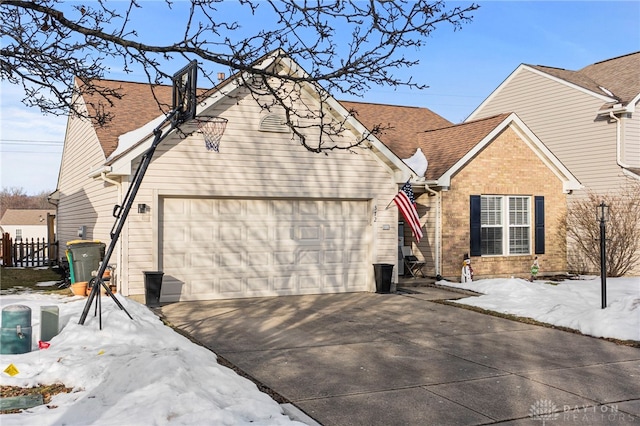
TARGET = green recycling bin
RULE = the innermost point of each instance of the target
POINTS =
(84, 258)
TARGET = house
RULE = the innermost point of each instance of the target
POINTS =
(588, 118)
(26, 224)
(265, 216)
(491, 190)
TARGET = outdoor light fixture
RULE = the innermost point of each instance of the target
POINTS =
(142, 208)
(602, 211)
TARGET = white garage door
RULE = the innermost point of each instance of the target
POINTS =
(230, 248)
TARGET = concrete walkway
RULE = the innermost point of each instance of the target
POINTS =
(401, 359)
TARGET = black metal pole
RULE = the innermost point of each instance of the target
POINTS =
(121, 214)
(603, 258)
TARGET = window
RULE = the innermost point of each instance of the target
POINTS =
(505, 225)
(18, 234)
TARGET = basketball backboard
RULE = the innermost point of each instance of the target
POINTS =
(184, 93)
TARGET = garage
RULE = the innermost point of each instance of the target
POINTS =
(223, 248)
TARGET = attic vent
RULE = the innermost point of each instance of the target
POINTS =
(273, 123)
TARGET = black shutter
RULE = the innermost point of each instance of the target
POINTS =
(539, 224)
(475, 230)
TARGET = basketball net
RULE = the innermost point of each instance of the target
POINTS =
(212, 128)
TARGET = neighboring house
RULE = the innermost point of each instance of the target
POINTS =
(266, 217)
(491, 190)
(26, 224)
(588, 118)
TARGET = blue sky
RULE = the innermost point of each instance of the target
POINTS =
(461, 68)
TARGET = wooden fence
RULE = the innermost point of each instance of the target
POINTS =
(27, 253)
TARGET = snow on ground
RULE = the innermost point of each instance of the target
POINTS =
(131, 372)
(142, 372)
(575, 304)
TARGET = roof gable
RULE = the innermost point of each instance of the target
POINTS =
(449, 149)
(25, 217)
(445, 147)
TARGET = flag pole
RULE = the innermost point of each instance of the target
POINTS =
(387, 208)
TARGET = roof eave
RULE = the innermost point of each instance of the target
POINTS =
(569, 182)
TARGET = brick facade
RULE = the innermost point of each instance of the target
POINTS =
(506, 166)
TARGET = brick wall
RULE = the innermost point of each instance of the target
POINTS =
(507, 166)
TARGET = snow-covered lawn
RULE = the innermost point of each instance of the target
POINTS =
(142, 372)
(130, 373)
(575, 304)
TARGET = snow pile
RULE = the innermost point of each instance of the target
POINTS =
(131, 372)
(575, 304)
(418, 162)
(128, 140)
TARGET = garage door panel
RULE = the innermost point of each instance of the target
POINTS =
(283, 258)
(310, 282)
(310, 233)
(258, 259)
(309, 257)
(201, 286)
(333, 281)
(202, 260)
(229, 248)
(258, 234)
(281, 209)
(309, 208)
(231, 287)
(227, 260)
(333, 257)
(230, 208)
(284, 282)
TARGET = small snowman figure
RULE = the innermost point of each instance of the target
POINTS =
(535, 267)
(467, 270)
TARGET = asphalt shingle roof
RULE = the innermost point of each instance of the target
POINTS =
(137, 106)
(444, 147)
(405, 124)
(620, 76)
(25, 217)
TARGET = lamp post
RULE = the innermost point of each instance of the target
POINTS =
(603, 212)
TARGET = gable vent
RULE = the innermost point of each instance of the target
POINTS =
(273, 123)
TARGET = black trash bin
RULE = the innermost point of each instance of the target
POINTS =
(383, 273)
(152, 287)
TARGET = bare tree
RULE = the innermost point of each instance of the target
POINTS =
(17, 198)
(345, 47)
(622, 229)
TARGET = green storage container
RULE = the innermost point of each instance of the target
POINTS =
(84, 258)
(15, 335)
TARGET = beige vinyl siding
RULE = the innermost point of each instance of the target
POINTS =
(83, 201)
(566, 120)
(254, 164)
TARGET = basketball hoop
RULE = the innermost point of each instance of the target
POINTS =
(212, 128)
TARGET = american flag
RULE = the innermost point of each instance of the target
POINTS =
(406, 203)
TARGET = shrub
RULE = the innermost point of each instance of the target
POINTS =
(622, 232)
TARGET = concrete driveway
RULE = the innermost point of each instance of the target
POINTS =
(401, 359)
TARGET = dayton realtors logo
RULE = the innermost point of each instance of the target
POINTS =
(545, 410)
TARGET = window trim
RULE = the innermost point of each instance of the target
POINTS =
(534, 224)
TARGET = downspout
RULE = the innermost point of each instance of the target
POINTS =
(118, 185)
(619, 141)
(438, 242)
